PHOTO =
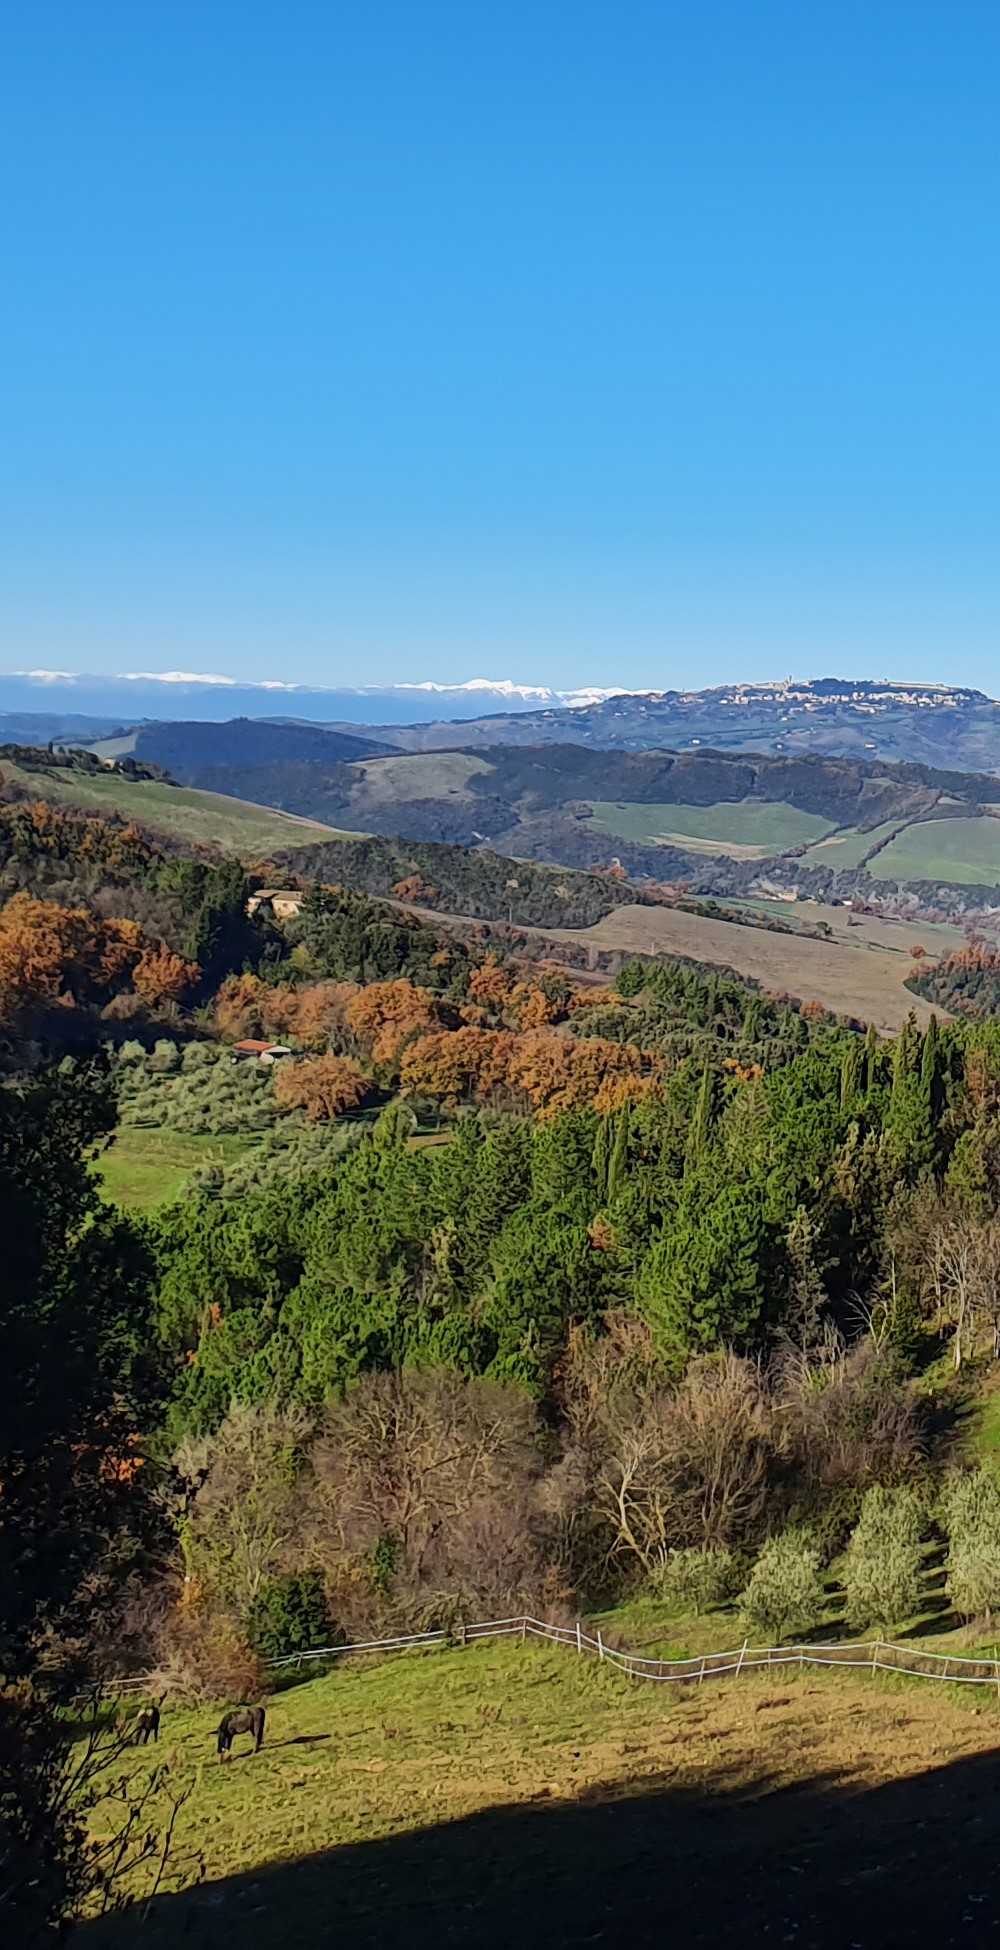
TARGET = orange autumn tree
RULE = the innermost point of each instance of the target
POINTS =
(490, 986)
(566, 1073)
(312, 1014)
(323, 1086)
(50, 954)
(386, 1015)
(161, 976)
(539, 1071)
(238, 1006)
(315, 1015)
(415, 888)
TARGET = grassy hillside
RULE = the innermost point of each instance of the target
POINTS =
(744, 828)
(865, 981)
(512, 1795)
(964, 850)
(204, 818)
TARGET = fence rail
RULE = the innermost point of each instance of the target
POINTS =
(872, 1655)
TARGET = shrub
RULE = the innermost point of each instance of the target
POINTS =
(697, 1578)
(882, 1567)
(203, 1657)
(290, 1615)
(166, 1057)
(971, 1511)
(785, 1592)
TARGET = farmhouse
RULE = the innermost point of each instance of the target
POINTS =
(252, 1050)
(284, 902)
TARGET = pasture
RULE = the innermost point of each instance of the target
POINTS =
(204, 818)
(744, 829)
(146, 1167)
(420, 775)
(847, 848)
(962, 850)
(508, 1794)
(866, 981)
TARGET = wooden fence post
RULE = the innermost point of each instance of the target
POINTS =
(600, 1649)
(579, 1637)
(743, 1654)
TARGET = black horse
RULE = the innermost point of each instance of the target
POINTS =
(246, 1719)
(147, 1725)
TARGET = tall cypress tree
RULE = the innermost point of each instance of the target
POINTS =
(850, 1073)
(871, 1059)
(701, 1126)
(619, 1152)
(601, 1157)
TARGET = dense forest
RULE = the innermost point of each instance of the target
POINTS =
(522, 1289)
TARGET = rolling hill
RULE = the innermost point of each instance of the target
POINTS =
(715, 819)
(180, 813)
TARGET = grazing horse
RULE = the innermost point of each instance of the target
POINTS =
(147, 1724)
(247, 1719)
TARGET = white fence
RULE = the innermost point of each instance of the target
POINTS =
(873, 1655)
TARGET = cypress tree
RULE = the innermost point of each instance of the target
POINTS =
(850, 1073)
(701, 1125)
(601, 1157)
(871, 1058)
(619, 1152)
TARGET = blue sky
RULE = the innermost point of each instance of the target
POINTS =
(620, 343)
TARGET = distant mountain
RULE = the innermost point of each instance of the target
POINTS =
(936, 724)
(128, 700)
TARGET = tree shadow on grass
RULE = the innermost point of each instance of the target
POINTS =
(818, 1865)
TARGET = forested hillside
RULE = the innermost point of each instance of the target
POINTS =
(483, 1286)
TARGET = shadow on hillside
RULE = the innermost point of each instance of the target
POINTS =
(817, 1866)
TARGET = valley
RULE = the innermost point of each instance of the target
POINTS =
(714, 819)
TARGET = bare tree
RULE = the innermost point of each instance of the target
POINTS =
(439, 1470)
(958, 1251)
(688, 1466)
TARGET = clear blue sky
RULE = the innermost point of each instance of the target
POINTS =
(638, 342)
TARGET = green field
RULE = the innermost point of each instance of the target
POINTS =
(144, 1167)
(745, 828)
(844, 851)
(515, 1794)
(207, 818)
(963, 850)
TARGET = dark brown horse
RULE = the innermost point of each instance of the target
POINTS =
(246, 1719)
(147, 1726)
